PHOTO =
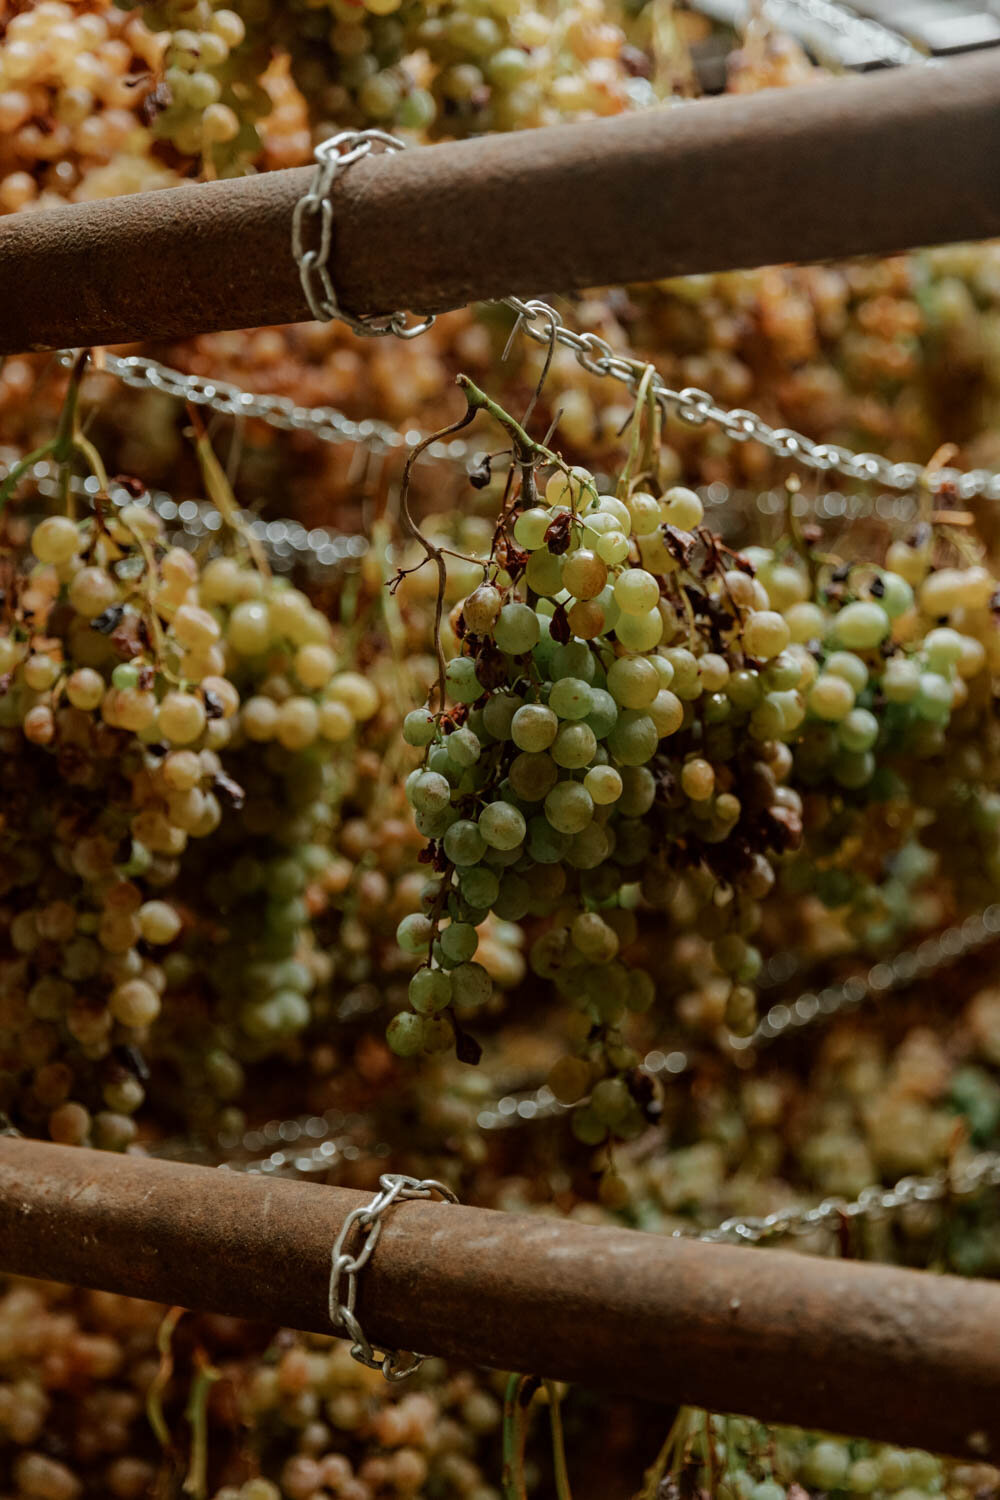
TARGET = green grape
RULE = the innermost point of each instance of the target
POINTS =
(502, 826)
(414, 933)
(516, 630)
(544, 573)
(571, 698)
(569, 807)
(514, 899)
(463, 747)
(901, 680)
(479, 886)
(633, 682)
(604, 784)
(531, 526)
(574, 746)
(534, 727)
(859, 730)
(498, 715)
(636, 591)
(943, 650)
(406, 1034)
(861, 625)
(430, 990)
(612, 548)
(603, 714)
(854, 770)
(638, 791)
(640, 632)
(588, 1128)
(782, 673)
(765, 634)
(744, 688)
(459, 942)
(682, 508)
(831, 698)
(461, 681)
(532, 776)
(667, 712)
(848, 666)
(431, 792)
(574, 659)
(934, 698)
(464, 843)
(634, 738)
(471, 985)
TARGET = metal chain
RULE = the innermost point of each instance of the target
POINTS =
(189, 522)
(333, 157)
(394, 1186)
(866, 38)
(696, 407)
(322, 549)
(889, 976)
(542, 324)
(323, 422)
(979, 1175)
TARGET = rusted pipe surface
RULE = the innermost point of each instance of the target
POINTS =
(898, 1355)
(837, 168)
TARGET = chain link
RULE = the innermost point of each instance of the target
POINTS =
(542, 324)
(911, 966)
(344, 1266)
(979, 1175)
(190, 522)
(697, 407)
(333, 157)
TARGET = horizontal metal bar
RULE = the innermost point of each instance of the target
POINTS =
(899, 1355)
(874, 164)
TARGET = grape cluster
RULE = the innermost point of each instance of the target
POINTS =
(752, 1462)
(72, 79)
(82, 1377)
(209, 96)
(154, 716)
(640, 716)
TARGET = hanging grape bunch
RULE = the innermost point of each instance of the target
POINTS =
(150, 706)
(632, 707)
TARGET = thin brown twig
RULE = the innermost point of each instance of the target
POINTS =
(434, 554)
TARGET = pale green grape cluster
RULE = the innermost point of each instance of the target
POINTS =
(209, 96)
(641, 715)
(167, 729)
(753, 1462)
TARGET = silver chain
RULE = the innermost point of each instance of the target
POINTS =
(911, 966)
(189, 522)
(542, 324)
(333, 157)
(323, 422)
(344, 1267)
(979, 1175)
(696, 407)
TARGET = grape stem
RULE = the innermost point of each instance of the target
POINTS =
(668, 1457)
(526, 450)
(517, 1400)
(642, 402)
(160, 1381)
(434, 554)
(560, 1473)
(196, 1411)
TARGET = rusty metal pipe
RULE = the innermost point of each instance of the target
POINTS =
(904, 1356)
(837, 168)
